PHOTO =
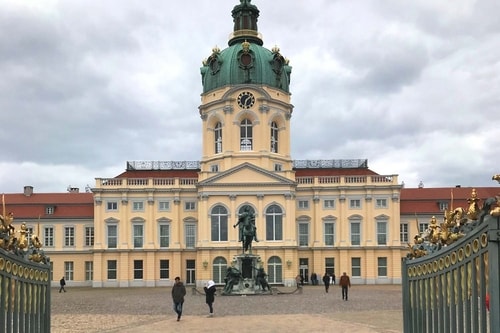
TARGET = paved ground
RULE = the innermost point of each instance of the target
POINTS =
(370, 309)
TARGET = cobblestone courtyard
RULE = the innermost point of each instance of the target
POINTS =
(375, 308)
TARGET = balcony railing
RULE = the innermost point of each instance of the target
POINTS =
(348, 180)
(145, 182)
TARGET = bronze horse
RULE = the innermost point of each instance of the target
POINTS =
(247, 232)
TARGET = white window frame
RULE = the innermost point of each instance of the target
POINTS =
(69, 236)
(329, 204)
(163, 205)
(189, 206)
(137, 206)
(355, 203)
(381, 203)
(112, 206)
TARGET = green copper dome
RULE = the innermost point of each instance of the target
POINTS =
(245, 61)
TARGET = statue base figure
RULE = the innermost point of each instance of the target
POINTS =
(246, 276)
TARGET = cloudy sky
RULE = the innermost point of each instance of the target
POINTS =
(86, 85)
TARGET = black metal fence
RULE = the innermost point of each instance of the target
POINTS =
(455, 289)
(24, 294)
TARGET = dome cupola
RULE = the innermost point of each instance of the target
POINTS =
(245, 61)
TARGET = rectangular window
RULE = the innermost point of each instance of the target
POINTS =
(214, 168)
(138, 206)
(382, 266)
(68, 270)
(138, 235)
(278, 167)
(69, 236)
(112, 236)
(422, 227)
(112, 206)
(163, 206)
(303, 234)
(356, 267)
(355, 233)
(403, 232)
(49, 210)
(89, 270)
(329, 233)
(382, 233)
(189, 206)
(138, 269)
(190, 235)
(329, 204)
(355, 203)
(164, 269)
(30, 232)
(380, 203)
(48, 236)
(330, 265)
(303, 204)
(164, 235)
(112, 269)
(89, 236)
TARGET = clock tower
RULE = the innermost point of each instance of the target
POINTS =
(245, 105)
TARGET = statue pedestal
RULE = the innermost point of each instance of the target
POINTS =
(247, 265)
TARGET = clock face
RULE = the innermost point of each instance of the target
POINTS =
(246, 100)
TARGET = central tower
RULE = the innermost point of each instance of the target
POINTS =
(245, 104)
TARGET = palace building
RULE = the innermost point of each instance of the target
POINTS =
(162, 219)
(158, 220)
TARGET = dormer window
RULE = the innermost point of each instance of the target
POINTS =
(49, 210)
(443, 205)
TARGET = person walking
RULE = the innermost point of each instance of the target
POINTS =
(345, 284)
(210, 296)
(62, 283)
(326, 281)
(178, 293)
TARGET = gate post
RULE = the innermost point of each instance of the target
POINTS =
(494, 268)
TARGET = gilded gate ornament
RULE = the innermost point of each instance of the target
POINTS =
(456, 224)
(17, 242)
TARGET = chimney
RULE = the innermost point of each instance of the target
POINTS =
(28, 191)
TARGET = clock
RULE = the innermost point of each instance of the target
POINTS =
(246, 100)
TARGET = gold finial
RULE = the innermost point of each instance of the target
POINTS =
(276, 49)
(245, 46)
(496, 177)
(215, 50)
(287, 61)
(204, 62)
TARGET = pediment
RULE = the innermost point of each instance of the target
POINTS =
(248, 174)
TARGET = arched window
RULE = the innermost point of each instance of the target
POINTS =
(274, 137)
(218, 138)
(246, 140)
(274, 223)
(218, 217)
(274, 270)
(219, 270)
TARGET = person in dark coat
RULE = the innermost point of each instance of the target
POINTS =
(178, 293)
(62, 283)
(210, 296)
(326, 281)
(345, 284)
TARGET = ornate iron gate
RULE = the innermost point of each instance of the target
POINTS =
(24, 280)
(455, 287)
(24, 294)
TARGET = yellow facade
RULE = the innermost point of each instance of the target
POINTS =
(251, 178)
(159, 220)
